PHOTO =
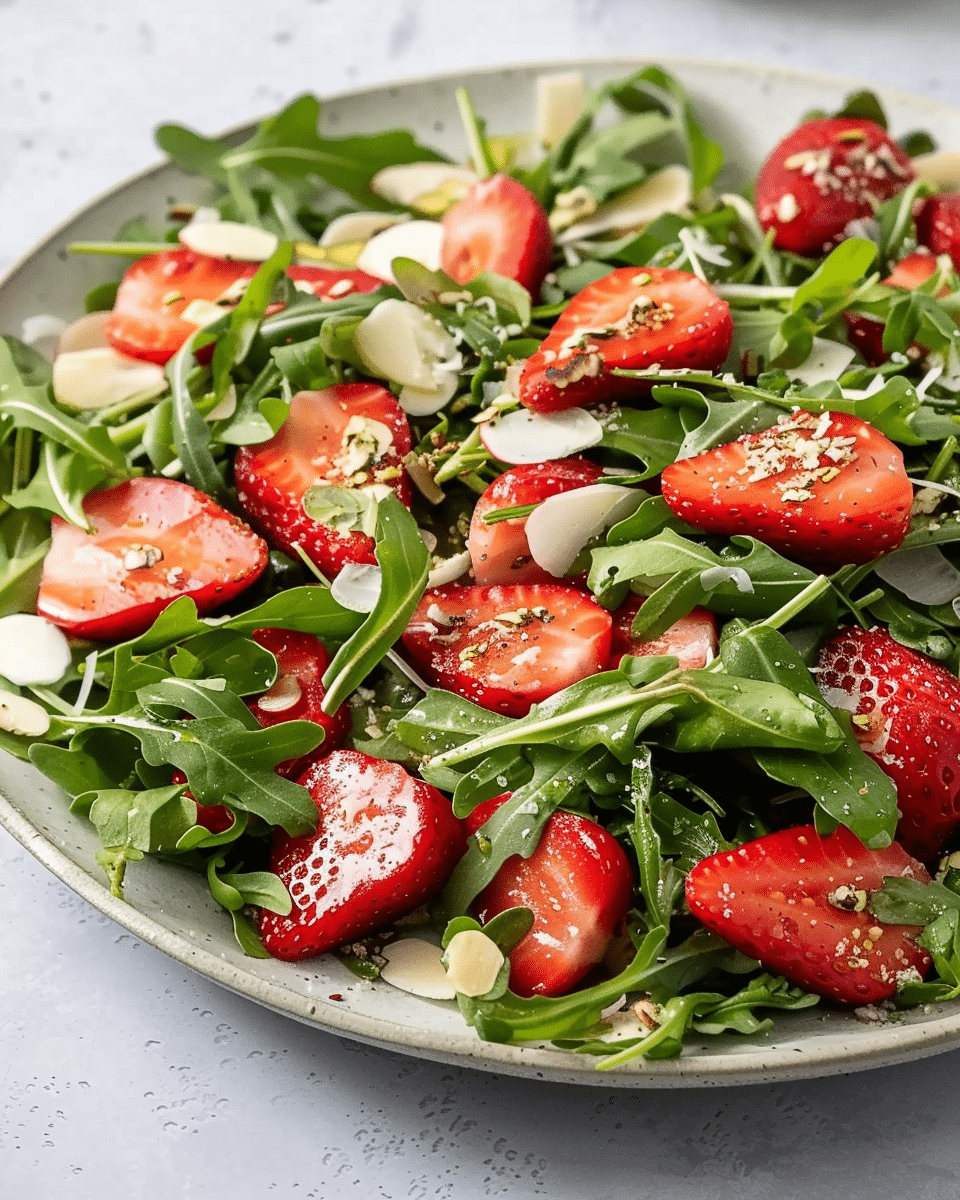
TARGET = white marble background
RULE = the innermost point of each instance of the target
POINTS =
(121, 1073)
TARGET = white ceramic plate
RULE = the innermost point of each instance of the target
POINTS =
(747, 109)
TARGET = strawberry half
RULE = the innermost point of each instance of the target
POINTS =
(938, 225)
(499, 551)
(353, 435)
(506, 648)
(692, 640)
(154, 540)
(297, 693)
(631, 319)
(906, 716)
(579, 886)
(826, 173)
(825, 487)
(385, 843)
(499, 226)
(797, 901)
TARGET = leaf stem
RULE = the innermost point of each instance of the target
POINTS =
(483, 162)
(125, 249)
(811, 593)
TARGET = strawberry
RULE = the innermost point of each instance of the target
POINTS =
(499, 226)
(578, 884)
(385, 843)
(146, 321)
(631, 319)
(865, 332)
(507, 647)
(825, 174)
(823, 487)
(692, 640)
(352, 435)
(297, 693)
(797, 901)
(328, 283)
(154, 540)
(938, 225)
(499, 550)
(907, 719)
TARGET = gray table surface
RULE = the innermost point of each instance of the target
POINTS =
(123, 1073)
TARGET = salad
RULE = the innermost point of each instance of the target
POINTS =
(532, 579)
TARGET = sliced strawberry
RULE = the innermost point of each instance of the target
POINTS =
(499, 550)
(297, 693)
(938, 225)
(797, 901)
(328, 283)
(154, 540)
(497, 226)
(578, 884)
(353, 435)
(865, 332)
(146, 320)
(508, 647)
(907, 719)
(631, 319)
(385, 843)
(825, 487)
(692, 640)
(826, 173)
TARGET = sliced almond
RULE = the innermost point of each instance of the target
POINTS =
(426, 187)
(102, 376)
(523, 436)
(357, 587)
(669, 190)
(941, 167)
(229, 239)
(32, 650)
(202, 312)
(473, 962)
(415, 966)
(358, 227)
(23, 717)
(559, 528)
(400, 342)
(827, 360)
(560, 99)
(449, 570)
(419, 240)
(285, 694)
(43, 332)
(88, 332)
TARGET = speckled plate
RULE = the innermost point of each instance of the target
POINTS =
(747, 109)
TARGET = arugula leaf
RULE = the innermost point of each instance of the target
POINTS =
(405, 564)
(234, 344)
(24, 541)
(849, 788)
(288, 146)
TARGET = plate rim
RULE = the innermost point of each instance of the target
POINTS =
(885, 1046)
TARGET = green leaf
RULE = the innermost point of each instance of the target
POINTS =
(234, 344)
(848, 787)
(191, 432)
(61, 482)
(24, 541)
(653, 436)
(405, 564)
(516, 826)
